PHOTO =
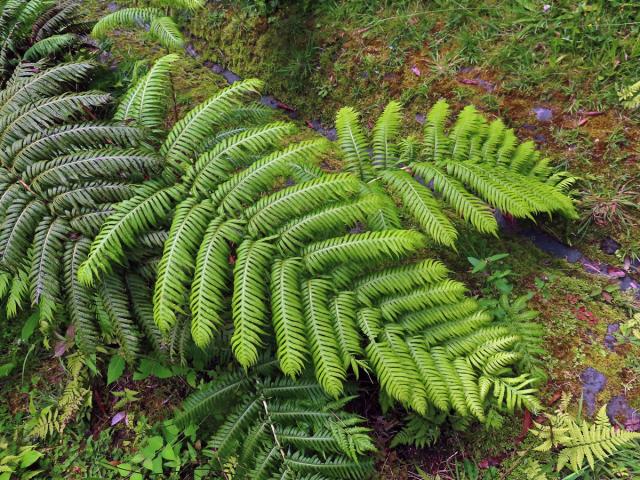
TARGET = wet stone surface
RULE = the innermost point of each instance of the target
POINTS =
(621, 413)
(609, 246)
(543, 114)
(593, 382)
(610, 338)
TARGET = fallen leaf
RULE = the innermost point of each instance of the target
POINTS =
(118, 417)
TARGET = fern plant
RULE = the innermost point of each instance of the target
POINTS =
(473, 168)
(35, 29)
(630, 96)
(60, 172)
(161, 27)
(581, 440)
(260, 232)
(269, 426)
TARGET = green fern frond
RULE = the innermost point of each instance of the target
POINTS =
(343, 308)
(271, 211)
(201, 404)
(126, 17)
(468, 206)
(446, 291)
(297, 232)
(400, 279)
(46, 261)
(47, 113)
(288, 318)
(17, 230)
(49, 46)
(167, 33)
(42, 145)
(113, 294)
(145, 103)
(331, 467)
(237, 150)
(362, 247)
(629, 96)
(323, 346)
(176, 267)
(79, 302)
(421, 206)
(47, 83)
(353, 143)
(515, 393)
(385, 149)
(142, 307)
(212, 278)
(420, 319)
(227, 436)
(249, 304)
(85, 165)
(151, 205)
(187, 136)
(244, 187)
(436, 143)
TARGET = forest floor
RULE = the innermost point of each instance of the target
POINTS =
(552, 75)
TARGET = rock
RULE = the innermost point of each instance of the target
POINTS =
(592, 383)
(610, 339)
(543, 114)
(621, 413)
(609, 246)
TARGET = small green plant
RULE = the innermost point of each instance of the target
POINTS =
(18, 462)
(579, 440)
(630, 96)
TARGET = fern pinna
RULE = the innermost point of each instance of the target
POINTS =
(474, 167)
(258, 230)
(60, 172)
(35, 29)
(269, 426)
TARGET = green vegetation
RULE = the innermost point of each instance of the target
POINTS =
(193, 286)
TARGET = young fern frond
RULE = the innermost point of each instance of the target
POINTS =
(145, 104)
(353, 144)
(385, 132)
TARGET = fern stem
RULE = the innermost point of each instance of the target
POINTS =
(273, 430)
